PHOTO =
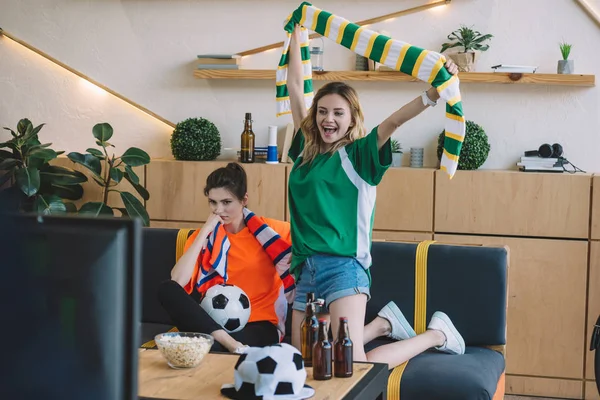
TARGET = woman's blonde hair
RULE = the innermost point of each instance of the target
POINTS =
(310, 130)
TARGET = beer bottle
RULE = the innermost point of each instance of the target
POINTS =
(247, 151)
(342, 366)
(322, 354)
(309, 330)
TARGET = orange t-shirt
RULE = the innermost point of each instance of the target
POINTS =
(250, 268)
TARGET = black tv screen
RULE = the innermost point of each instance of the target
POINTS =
(70, 299)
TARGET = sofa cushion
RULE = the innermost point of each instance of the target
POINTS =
(433, 375)
(470, 376)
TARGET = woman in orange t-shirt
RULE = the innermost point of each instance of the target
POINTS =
(248, 266)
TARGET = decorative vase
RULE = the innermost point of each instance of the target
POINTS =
(464, 61)
(362, 63)
(565, 66)
(416, 157)
(396, 159)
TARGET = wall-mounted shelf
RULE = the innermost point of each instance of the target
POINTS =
(392, 76)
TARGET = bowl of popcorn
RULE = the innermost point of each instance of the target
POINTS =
(183, 349)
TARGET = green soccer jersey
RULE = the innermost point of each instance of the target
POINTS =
(332, 200)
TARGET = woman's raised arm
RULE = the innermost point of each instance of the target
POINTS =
(409, 111)
(295, 80)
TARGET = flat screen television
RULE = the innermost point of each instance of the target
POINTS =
(70, 299)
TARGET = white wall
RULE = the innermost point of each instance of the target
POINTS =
(145, 50)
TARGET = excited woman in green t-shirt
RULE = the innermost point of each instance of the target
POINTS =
(332, 189)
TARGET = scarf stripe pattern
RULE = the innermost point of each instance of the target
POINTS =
(425, 65)
(278, 250)
(212, 260)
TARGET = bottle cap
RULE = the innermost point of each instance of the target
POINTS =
(343, 319)
(248, 115)
(322, 321)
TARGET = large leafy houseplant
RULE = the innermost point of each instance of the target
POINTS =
(34, 185)
(108, 171)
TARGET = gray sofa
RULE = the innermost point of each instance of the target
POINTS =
(469, 283)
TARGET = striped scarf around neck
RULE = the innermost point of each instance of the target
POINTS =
(211, 266)
(425, 65)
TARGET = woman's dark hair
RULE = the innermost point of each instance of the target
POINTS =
(232, 177)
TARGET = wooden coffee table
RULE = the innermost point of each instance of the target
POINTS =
(156, 380)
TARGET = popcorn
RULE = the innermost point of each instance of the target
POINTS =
(183, 351)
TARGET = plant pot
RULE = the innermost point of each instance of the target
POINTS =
(565, 66)
(396, 160)
(464, 61)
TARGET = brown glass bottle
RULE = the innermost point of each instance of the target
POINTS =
(247, 150)
(309, 330)
(342, 349)
(322, 353)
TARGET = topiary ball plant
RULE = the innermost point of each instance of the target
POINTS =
(475, 148)
(195, 139)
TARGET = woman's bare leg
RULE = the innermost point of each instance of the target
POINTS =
(376, 328)
(393, 354)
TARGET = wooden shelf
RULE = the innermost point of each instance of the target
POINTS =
(465, 77)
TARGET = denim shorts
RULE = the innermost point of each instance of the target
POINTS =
(330, 278)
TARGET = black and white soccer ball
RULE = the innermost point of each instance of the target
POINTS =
(273, 372)
(228, 305)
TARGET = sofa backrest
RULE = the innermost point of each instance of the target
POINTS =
(469, 283)
(159, 250)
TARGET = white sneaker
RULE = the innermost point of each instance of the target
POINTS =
(401, 329)
(454, 344)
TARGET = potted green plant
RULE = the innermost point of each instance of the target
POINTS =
(195, 139)
(396, 153)
(471, 42)
(31, 183)
(108, 171)
(475, 148)
(565, 66)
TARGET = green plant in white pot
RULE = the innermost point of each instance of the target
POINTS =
(396, 153)
(565, 66)
(471, 42)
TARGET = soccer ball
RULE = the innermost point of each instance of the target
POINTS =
(228, 305)
(270, 371)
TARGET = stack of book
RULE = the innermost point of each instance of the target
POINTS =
(514, 68)
(218, 61)
(540, 164)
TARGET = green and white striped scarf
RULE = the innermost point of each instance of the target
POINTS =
(425, 65)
